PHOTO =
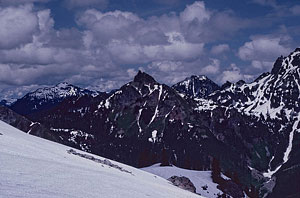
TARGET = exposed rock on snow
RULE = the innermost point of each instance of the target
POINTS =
(183, 182)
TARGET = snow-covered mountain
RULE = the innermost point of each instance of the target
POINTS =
(252, 129)
(273, 98)
(48, 97)
(270, 94)
(34, 167)
(196, 86)
(145, 122)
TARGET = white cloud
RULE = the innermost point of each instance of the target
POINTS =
(212, 68)
(131, 72)
(17, 26)
(219, 49)
(266, 65)
(133, 40)
(195, 11)
(166, 66)
(233, 74)
(264, 48)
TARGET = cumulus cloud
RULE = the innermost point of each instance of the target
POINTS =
(166, 66)
(262, 65)
(49, 56)
(130, 39)
(212, 68)
(196, 12)
(264, 48)
(17, 26)
(233, 74)
(171, 72)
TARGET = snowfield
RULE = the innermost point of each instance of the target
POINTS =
(34, 167)
(201, 179)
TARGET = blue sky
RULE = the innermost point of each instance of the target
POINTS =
(101, 44)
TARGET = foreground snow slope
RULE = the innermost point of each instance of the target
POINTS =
(201, 179)
(34, 167)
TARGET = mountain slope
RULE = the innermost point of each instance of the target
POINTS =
(273, 98)
(270, 93)
(33, 167)
(252, 129)
(145, 122)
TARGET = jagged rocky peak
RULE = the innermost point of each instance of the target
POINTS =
(196, 86)
(277, 65)
(284, 64)
(199, 77)
(143, 77)
(240, 82)
(226, 85)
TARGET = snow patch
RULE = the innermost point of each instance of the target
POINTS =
(201, 179)
(35, 167)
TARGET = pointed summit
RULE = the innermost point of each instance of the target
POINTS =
(143, 77)
(200, 77)
(277, 65)
(226, 85)
(196, 86)
(283, 64)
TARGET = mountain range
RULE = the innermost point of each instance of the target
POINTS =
(251, 129)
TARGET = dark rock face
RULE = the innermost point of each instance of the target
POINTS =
(231, 188)
(143, 77)
(183, 183)
(277, 65)
(22, 123)
(196, 86)
(251, 128)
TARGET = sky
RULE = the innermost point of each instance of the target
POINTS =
(101, 44)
